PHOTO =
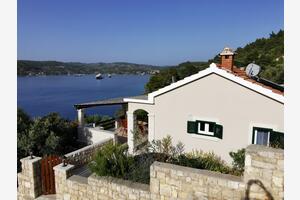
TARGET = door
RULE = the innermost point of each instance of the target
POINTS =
(47, 173)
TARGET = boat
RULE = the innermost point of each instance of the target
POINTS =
(109, 75)
(99, 76)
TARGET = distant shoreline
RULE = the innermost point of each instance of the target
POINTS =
(32, 68)
(105, 74)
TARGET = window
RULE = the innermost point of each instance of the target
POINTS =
(262, 136)
(205, 128)
(226, 56)
(267, 137)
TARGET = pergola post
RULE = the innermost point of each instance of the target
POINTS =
(80, 117)
(130, 129)
(151, 127)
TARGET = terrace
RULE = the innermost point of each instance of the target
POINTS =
(114, 128)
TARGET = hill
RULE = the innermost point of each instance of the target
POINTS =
(266, 52)
(28, 67)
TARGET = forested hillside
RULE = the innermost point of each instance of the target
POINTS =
(27, 67)
(266, 52)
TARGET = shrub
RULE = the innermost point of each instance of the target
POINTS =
(201, 160)
(140, 170)
(165, 146)
(112, 160)
(47, 135)
(238, 162)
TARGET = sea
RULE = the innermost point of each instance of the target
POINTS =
(41, 95)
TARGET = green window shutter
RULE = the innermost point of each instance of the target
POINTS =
(218, 131)
(192, 127)
(277, 139)
(212, 126)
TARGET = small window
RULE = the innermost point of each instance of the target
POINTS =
(267, 137)
(261, 136)
(205, 128)
(226, 56)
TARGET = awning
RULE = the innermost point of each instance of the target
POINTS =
(107, 102)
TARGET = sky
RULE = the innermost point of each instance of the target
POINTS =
(152, 32)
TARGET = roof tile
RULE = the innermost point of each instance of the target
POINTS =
(242, 74)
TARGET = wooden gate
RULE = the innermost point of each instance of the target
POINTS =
(47, 173)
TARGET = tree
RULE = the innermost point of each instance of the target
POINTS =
(50, 134)
(187, 69)
(162, 79)
(23, 124)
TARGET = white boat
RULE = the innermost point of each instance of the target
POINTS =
(109, 75)
(99, 76)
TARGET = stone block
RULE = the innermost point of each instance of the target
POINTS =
(165, 190)
(280, 164)
(160, 175)
(277, 181)
(188, 179)
(67, 197)
(263, 165)
(154, 186)
(179, 173)
(247, 160)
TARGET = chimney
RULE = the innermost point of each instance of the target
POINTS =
(227, 58)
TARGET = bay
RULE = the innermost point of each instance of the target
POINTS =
(40, 95)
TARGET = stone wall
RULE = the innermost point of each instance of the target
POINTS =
(264, 172)
(94, 187)
(176, 182)
(61, 173)
(85, 154)
(29, 179)
(263, 179)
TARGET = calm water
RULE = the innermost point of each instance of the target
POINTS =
(40, 95)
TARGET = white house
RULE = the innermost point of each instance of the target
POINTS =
(219, 109)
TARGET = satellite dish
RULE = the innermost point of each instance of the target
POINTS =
(252, 70)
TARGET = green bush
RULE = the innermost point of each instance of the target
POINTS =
(201, 160)
(165, 147)
(112, 160)
(238, 162)
(140, 170)
(50, 134)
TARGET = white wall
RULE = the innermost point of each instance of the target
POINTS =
(217, 99)
(94, 135)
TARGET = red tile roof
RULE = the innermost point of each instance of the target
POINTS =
(242, 74)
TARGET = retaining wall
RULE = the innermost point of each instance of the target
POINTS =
(85, 154)
(263, 179)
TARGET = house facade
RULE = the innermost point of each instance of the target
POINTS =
(219, 110)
